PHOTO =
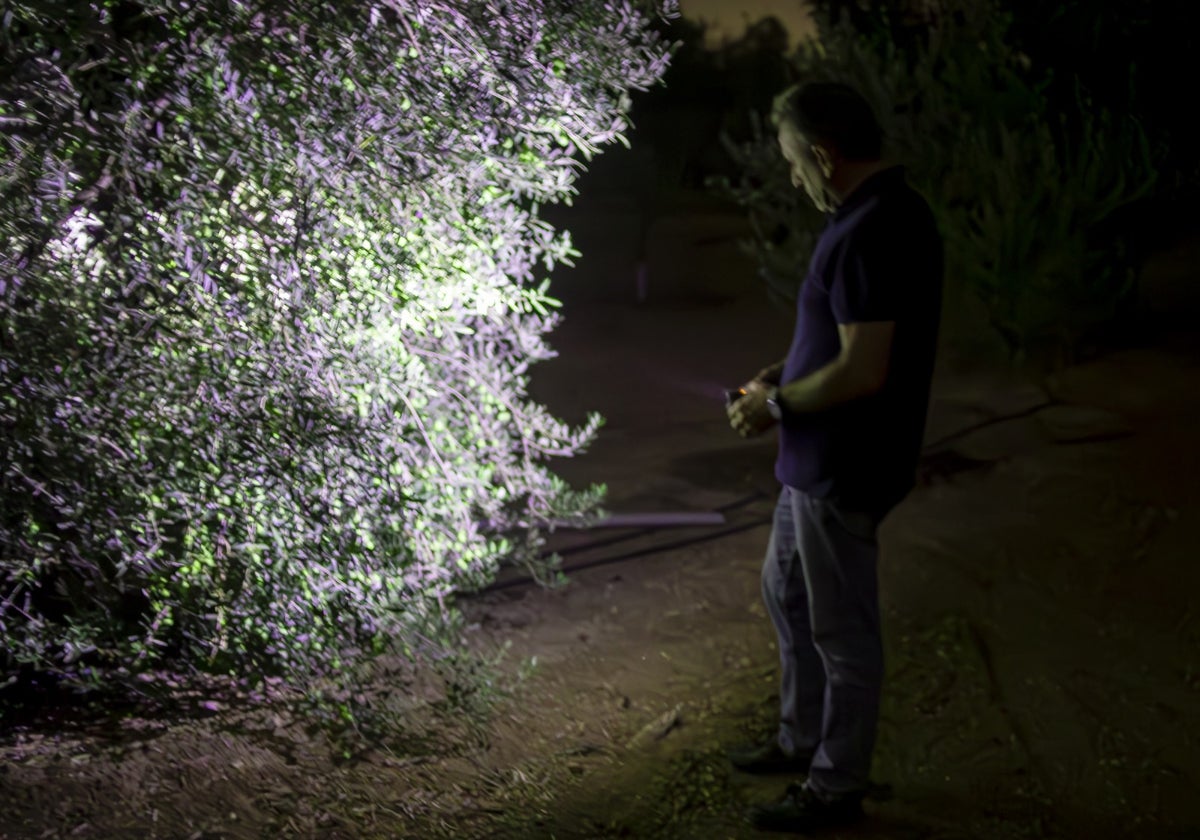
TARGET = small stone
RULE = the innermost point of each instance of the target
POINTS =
(658, 728)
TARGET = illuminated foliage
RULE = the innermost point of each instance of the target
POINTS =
(273, 276)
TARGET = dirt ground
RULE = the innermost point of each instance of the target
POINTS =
(1039, 591)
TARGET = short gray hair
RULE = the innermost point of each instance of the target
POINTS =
(832, 113)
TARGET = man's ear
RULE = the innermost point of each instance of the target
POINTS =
(823, 159)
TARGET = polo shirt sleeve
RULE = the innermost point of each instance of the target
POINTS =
(866, 286)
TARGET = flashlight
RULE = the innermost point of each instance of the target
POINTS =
(732, 395)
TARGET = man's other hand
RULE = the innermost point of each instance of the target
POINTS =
(749, 415)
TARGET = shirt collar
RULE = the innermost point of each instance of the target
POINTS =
(872, 186)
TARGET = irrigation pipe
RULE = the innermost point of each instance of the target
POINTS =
(669, 519)
(647, 530)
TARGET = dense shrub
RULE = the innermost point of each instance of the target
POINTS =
(1129, 56)
(272, 281)
(1019, 186)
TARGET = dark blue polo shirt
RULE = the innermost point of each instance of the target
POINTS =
(878, 259)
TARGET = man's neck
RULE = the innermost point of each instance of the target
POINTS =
(850, 176)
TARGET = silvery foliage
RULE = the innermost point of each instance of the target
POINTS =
(272, 281)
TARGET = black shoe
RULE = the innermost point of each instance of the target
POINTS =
(768, 758)
(803, 810)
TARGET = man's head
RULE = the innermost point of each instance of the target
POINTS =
(825, 129)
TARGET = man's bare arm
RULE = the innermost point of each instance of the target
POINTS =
(858, 371)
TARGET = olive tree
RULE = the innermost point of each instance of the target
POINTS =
(272, 277)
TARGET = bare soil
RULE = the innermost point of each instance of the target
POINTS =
(1039, 590)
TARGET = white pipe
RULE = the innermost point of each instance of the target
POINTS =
(669, 519)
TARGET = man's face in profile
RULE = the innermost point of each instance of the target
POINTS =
(802, 157)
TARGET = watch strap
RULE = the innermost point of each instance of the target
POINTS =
(774, 404)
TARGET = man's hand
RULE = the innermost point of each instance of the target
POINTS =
(749, 415)
(771, 375)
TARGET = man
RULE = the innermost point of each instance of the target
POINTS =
(850, 400)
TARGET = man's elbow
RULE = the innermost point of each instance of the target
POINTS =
(868, 380)
(879, 378)
(871, 385)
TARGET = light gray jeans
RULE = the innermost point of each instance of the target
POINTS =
(821, 589)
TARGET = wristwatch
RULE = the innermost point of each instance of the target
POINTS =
(774, 404)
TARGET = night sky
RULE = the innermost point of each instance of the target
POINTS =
(729, 17)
